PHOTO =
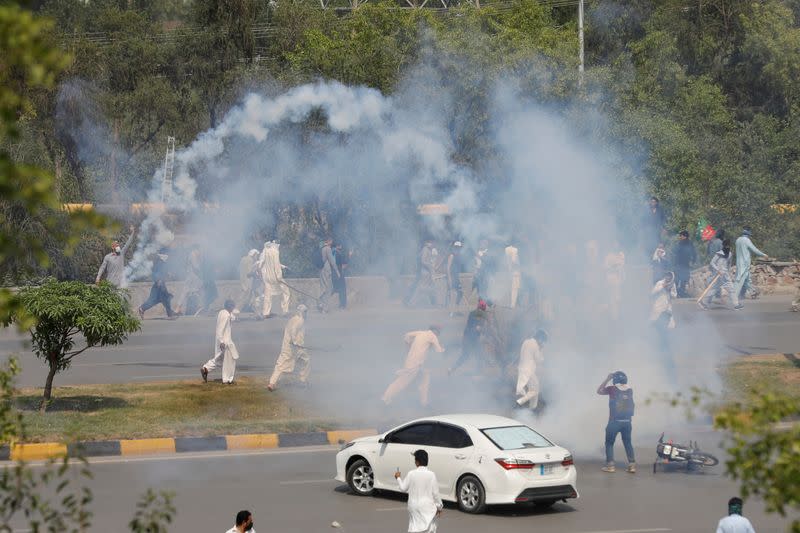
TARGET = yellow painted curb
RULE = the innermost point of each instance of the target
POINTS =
(146, 446)
(243, 442)
(32, 452)
(334, 437)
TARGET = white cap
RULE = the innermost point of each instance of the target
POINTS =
(253, 252)
(458, 243)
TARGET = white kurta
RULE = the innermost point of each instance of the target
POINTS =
(423, 499)
(227, 357)
(234, 530)
(512, 265)
(292, 350)
(735, 524)
(662, 301)
(530, 355)
(269, 263)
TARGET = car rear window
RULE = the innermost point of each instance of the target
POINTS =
(516, 438)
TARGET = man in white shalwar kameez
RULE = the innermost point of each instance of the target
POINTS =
(514, 273)
(424, 503)
(530, 355)
(293, 349)
(269, 264)
(225, 352)
(420, 342)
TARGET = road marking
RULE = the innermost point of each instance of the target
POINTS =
(382, 509)
(306, 481)
(652, 530)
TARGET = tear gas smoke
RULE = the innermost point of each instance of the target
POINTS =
(560, 191)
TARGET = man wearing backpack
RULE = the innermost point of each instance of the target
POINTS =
(620, 407)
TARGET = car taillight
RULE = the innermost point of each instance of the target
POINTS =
(567, 461)
(515, 464)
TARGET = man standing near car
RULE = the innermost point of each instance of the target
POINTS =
(424, 503)
(620, 412)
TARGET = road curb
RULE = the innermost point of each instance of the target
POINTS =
(177, 445)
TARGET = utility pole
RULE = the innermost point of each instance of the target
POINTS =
(169, 165)
(580, 41)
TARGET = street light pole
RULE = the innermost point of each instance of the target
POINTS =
(580, 41)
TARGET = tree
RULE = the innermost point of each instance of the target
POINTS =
(764, 456)
(66, 311)
(26, 61)
(48, 498)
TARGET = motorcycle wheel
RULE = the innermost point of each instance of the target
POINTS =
(706, 459)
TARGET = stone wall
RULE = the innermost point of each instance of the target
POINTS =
(773, 277)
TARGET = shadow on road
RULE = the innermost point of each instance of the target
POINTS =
(521, 510)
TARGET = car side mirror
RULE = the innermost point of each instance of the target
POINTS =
(381, 440)
(385, 439)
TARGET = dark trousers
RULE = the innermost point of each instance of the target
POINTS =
(158, 295)
(624, 428)
(682, 275)
(340, 286)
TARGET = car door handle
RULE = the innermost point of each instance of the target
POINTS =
(459, 456)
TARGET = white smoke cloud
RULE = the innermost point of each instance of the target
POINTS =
(557, 189)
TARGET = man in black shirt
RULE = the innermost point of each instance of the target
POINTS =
(158, 292)
(683, 256)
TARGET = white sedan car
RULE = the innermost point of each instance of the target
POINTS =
(479, 460)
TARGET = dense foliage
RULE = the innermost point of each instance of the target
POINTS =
(764, 454)
(72, 317)
(703, 92)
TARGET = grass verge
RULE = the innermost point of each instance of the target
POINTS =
(192, 408)
(163, 409)
(764, 373)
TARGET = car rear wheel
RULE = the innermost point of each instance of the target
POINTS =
(360, 478)
(471, 495)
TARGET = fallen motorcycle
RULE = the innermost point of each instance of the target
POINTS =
(670, 453)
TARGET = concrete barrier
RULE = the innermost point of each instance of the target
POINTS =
(362, 291)
(54, 450)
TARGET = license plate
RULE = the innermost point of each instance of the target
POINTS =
(545, 470)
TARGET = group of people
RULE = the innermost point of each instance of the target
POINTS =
(719, 249)
(478, 346)
(438, 275)
(293, 349)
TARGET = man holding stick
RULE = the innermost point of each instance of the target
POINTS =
(721, 268)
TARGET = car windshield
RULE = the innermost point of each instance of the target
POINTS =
(516, 438)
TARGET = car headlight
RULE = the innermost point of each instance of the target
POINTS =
(345, 446)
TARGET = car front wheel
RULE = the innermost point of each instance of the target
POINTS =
(360, 478)
(471, 495)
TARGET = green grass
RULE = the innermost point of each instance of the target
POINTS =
(192, 408)
(773, 373)
(163, 409)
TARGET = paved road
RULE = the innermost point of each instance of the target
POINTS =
(176, 349)
(292, 491)
(367, 349)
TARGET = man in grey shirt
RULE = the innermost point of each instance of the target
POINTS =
(113, 265)
(329, 269)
